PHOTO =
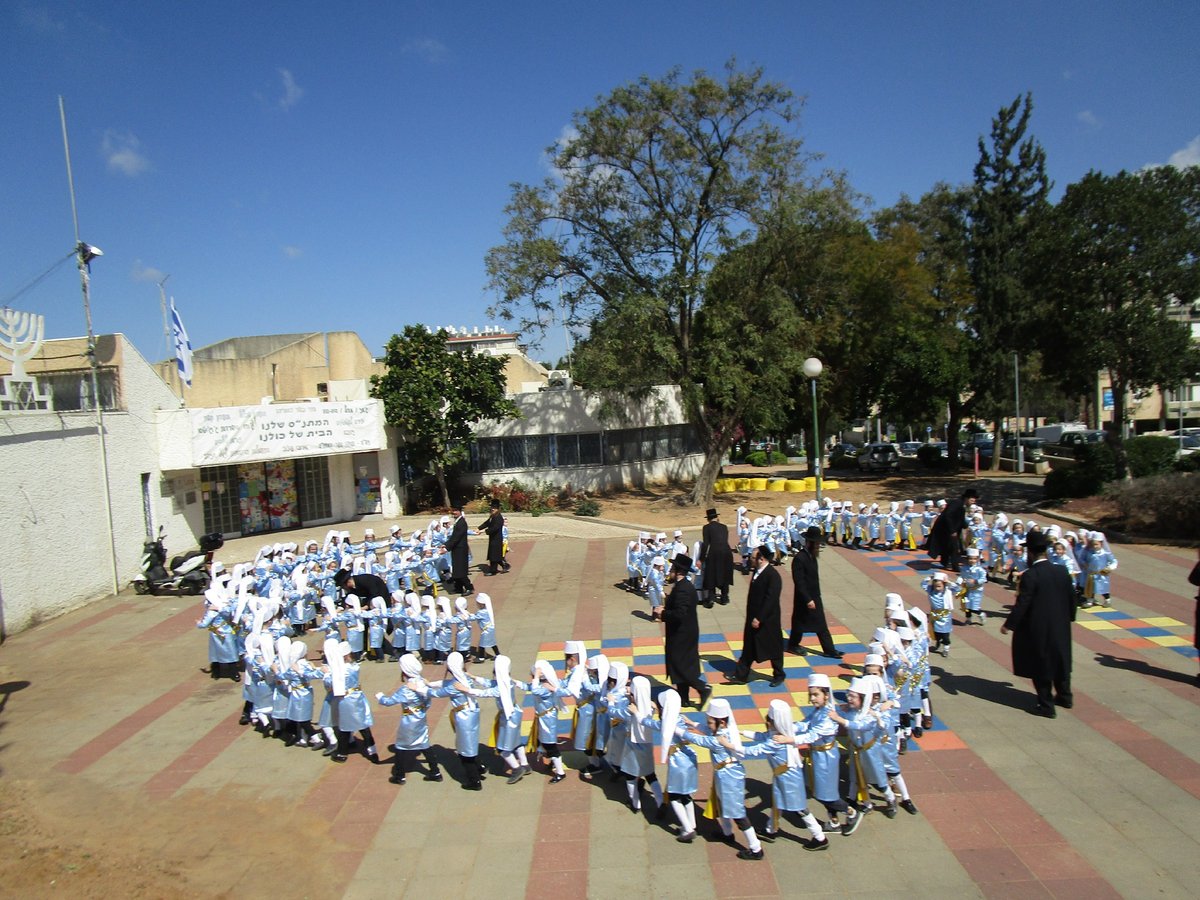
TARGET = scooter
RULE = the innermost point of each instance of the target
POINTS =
(189, 571)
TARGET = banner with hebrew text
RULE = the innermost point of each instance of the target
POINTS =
(234, 434)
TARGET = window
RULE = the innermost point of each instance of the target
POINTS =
(72, 391)
(590, 449)
(220, 490)
(567, 449)
(312, 483)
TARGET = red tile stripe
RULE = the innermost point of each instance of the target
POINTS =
(180, 771)
(109, 740)
(71, 629)
(559, 863)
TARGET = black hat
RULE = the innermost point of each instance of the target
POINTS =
(814, 533)
(1037, 542)
(711, 513)
(495, 504)
(340, 577)
(681, 563)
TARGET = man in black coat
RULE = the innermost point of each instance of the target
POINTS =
(808, 612)
(945, 535)
(683, 634)
(364, 586)
(716, 560)
(494, 529)
(460, 552)
(1041, 628)
(762, 638)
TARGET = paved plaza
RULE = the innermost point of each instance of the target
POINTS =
(119, 748)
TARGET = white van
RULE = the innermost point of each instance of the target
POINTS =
(1052, 434)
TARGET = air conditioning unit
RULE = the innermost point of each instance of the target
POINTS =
(559, 381)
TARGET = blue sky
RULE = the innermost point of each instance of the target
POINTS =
(308, 166)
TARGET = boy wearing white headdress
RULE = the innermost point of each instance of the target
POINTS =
(218, 618)
(893, 526)
(443, 631)
(816, 738)
(941, 609)
(655, 579)
(464, 718)
(506, 731)
(485, 621)
(376, 617)
(583, 721)
(889, 706)
(637, 759)
(412, 731)
(974, 577)
(1098, 563)
(727, 800)
(547, 695)
(299, 676)
(788, 795)
(352, 712)
(682, 768)
(866, 733)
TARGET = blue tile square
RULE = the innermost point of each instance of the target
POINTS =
(1149, 631)
(613, 643)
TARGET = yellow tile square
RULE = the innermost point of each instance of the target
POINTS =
(1165, 622)
(1100, 625)
(1171, 640)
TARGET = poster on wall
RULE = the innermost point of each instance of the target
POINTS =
(252, 499)
(281, 494)
(235, 434)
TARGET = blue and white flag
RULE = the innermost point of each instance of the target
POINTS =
(183, 347)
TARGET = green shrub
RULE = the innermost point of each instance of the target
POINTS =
(756, 458)
(1190, 463)
(1086, 478)
(587, 507)
(1151, 455)
(1160, 505)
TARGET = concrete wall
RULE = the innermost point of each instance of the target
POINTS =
(599, 478)
(52, 494)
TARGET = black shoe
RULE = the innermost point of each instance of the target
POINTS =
(704, 695)
(767, 837)
(557, 778)
(1064, 703)
(434, 776)
(338, 758)
(917, 731)
(813, 844)
(686, 837)
(330, 750)
(750, 854)
(836, 654)
(517, 774)
(1047, 711)
(736, 679)
(473, 786)
(852, 824)
(778, 680)
(244, 720)
(909, 807)
(398, 779)
(889, 810)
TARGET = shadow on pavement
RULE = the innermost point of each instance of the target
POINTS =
(1001, 692)
(1143, 668)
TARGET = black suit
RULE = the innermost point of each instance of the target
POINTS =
(766, 641)
(1041, 627)
(716, 559)
(683, 639)
(459, 552)
(807, 581)
(945, 535)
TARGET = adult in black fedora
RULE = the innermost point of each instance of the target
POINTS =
(762, 638)
(808, 612)
(716, 560)
(683, 634)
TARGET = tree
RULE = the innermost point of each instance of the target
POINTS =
(654, 184)
(1110, 258)
(434, 396)
(1010, 192)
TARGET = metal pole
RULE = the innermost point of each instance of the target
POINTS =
(816, 440)
(82, 251)
(1020, 446)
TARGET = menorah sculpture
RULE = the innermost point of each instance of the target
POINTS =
(20, 338)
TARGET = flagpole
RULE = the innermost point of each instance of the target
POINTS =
(86, 254)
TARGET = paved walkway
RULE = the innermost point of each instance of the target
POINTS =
(118, 718)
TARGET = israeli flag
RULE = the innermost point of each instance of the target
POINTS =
(183, 346)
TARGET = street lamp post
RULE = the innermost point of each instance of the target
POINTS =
(812, 369)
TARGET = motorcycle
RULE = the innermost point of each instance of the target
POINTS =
(189, 572)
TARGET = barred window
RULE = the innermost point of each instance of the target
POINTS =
(72, 391)
(590, 449)
(566, 449)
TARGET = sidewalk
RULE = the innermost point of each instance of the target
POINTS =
(125, 772)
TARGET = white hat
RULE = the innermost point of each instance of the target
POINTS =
(864, 686)
(410, 666)
(873, 659)
(669, 699)
(619, 673)
(819, 680)
(938, 575)
(503, 667)
(658, 561)
(574, 648)
(718, 708)
(905, 633)
(918, 615)
(893, 601)
(638, 733)
(973, 553)
(781, 716)
(678, 533)
(599, 663)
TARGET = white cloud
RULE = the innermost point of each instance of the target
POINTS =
(429, 49)
(1088, 118)
(291, 251)
(147, 273)
(122, 152)
(1188, 156)
(292, 92)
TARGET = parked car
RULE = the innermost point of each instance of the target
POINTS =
(1071, 441)
(1189, 444)
(879, 457)
(841, 455)
(943, 447)
(981, 442)
(1034, 451)
(909, 449)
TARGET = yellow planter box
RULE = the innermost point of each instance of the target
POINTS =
(777, 484)
(741, 484)
(794, 485)
(830, 485)
(757, 484)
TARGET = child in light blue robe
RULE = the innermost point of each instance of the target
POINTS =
(1098, 563)
(974, 577)
(351, 711)
(412, 731)
(223, 655)
(816, 736)
(506, 732)
(866, 735)
(655, 580)
(889, 706)
(547, 696)
(682, 767)
(637, 759)
(464, 718)
(788, 795)
(941, 609)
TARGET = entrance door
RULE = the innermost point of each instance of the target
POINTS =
(366, 482)
(252, 497)
(283, 510)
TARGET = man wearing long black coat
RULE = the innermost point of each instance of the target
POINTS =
(808, 612)
(945, 535)
(1041, 628)
(716, 560)
(683, 634)
(460, 553)
(762, 638)
(493, 527)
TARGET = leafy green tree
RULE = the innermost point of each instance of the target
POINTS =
(655, 183)
(434, 395)
(1010, 192)
(1110, 258)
